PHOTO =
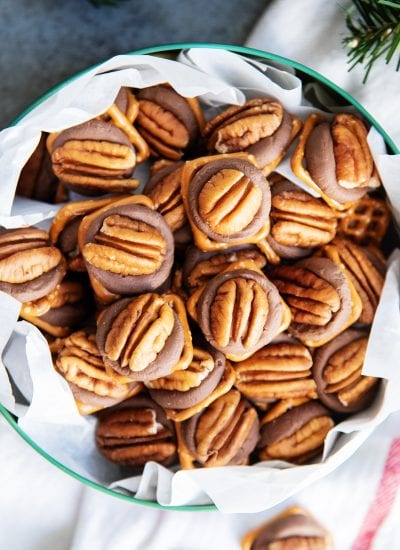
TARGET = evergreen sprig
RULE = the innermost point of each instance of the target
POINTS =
(374, 32)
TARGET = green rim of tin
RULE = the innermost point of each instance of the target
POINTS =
(157, 50)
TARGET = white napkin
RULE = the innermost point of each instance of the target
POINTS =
(311, 32)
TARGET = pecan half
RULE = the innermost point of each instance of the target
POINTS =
(227, 201)
(224, 433)
(280, 370)
(136, 432)
(127, 247)
(200, 267)
(366, 272)
(297, 435)
(65, 226)
(30, 267)
(300, 220)
(167, 121)
(141, 338)
(354, 163)
(81, 364)
(239, 311)
(260, 126)
(338, 162)
(338, 373)
(94, 158)
(320, 297)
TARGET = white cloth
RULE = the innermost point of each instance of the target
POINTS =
(42, 508)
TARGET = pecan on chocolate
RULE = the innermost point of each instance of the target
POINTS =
(367, 273)
(30, 267)
(261, 127)
(80, 363)
(239, 312)
(94, 158)
(280, 370)
(227, 200)
(127, 248)
(297, 435)
(320, 296)
(37, 180)
(292, 529)
(135, 432)
(223, 433)
(60, 312)
(338, 161)
(65, 226)
(337, 372)
(299, 222)
(141, 338)
(168, 122)
(200, 267)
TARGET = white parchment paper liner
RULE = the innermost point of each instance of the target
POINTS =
(31, 389)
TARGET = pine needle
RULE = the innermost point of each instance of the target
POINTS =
(374, 33)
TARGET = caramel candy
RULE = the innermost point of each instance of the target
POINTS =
(144, 338)
(94, 158)
(299, 222)
(37, 180)
(61, 311)
(239, 311)
(224, 433)
(79, 362)
(261, 127)
(297, 435)
(135, 432)
(168, 122)
(127, 247)
(337, 373)
(279, 370)
(227, 200)
(30, 267)
(339, 164)
(292, 529)
(321, 297)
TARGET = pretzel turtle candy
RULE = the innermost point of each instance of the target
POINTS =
(260, 127)
(227, 201)
(292, 529)
(339, 165)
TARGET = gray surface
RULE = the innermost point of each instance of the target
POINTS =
(42, 42)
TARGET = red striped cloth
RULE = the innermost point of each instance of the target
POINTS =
(382, 502)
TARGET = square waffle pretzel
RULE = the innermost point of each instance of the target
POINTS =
(365, 222)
